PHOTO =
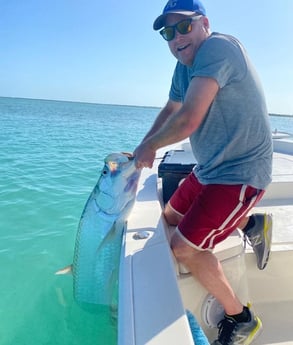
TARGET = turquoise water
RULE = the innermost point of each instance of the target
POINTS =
(51, 154)
(50, 159)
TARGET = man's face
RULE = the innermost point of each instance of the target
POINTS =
(184, 47)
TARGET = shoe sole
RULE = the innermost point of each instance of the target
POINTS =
(268, 227)
(255, 333)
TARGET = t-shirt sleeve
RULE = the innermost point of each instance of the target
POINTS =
(220, 59)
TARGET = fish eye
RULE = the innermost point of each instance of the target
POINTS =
(105, 171)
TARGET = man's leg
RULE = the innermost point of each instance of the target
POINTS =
(239, 325)
(172, 217)
(208, 214)
(257, 228)
(204, 266)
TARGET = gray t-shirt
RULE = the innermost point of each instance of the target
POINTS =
(233, 144)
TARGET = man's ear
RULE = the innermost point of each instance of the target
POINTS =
(206, 24)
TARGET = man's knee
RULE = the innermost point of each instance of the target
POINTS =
(171, 216)
(181, 250)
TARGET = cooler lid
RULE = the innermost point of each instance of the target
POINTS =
(177, 161)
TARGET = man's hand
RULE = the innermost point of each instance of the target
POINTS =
(144, 155)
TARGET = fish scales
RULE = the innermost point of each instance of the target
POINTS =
(99, 237)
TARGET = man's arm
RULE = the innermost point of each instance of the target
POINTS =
(170, 108)
(181, 124)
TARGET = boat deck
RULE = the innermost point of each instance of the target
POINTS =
(278, 201)
(271, 290)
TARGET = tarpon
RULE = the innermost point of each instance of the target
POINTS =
(99, 237)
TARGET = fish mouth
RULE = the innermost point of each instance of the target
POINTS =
(128, 155)
(114, 161)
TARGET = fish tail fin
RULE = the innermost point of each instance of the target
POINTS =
(65, 270)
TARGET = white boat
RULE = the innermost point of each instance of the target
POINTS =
(276, 134)
(155, 292)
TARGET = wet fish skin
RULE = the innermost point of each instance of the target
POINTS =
(99, 236)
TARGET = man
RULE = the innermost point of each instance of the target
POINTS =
(217, 101)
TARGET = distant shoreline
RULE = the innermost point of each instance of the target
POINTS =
(83, 102)
(283, 115)
(112, 104)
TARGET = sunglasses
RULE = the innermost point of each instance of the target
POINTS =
(183, 27)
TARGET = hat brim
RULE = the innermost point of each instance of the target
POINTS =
(160, 21)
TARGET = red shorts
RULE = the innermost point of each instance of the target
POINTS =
(211, 212)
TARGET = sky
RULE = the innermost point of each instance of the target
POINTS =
(107, 52)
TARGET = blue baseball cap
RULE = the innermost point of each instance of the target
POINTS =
(185, 7)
